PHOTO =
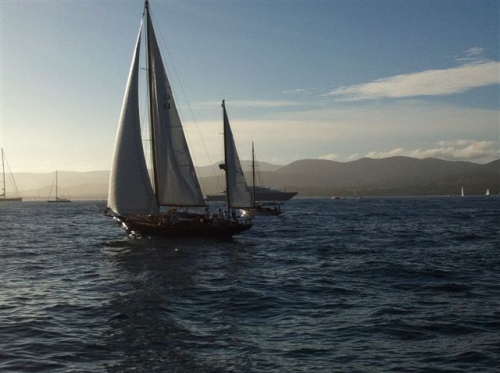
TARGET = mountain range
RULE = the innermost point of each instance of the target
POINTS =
(394, 176)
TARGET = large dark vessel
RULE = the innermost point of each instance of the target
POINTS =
(261, 194)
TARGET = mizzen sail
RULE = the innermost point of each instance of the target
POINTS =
(238, 195)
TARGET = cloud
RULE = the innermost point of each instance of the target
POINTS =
(474, 54)
(344, 133)
(330, 157)
(474, 72)
(294, 91)
(459, 150)
(390, 153)
(273, 104)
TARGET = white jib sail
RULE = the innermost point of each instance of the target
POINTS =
(177, 181)
(130, 190)
(237, 189)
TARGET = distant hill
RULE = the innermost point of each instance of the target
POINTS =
(309, 177)
(392, 176)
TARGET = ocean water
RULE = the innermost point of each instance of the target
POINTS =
(369, 285)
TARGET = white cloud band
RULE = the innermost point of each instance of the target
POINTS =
(460, 150)
(425, 83)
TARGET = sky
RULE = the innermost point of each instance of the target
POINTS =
(337, 80)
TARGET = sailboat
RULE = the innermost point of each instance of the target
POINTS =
(257, 207)
(57, 199)
(462, 192)
(157, 205)
(3, 196)
(487, 192)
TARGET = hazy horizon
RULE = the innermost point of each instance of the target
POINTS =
(249, 161)
(310, 176)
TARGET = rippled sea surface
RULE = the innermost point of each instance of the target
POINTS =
(370, 285)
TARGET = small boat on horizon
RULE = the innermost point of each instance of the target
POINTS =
(57, 199)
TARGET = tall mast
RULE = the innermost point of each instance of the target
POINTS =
(149, 26)
(253, 175)
(224, 166)
(56, 184)
(3, 176)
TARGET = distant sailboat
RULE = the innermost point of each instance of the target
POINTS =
(57, 199)
(462, 192)
(136, 200)
(257, 207)
(487, 192)
(3, 196)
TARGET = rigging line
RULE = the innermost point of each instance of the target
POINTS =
(51, 187)
(260, 178)
(174, 70)
(11, 176)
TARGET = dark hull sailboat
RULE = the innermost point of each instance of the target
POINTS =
(194, 226)
(139, 201)
(262, 194)
(258, 209)
(57, 198)
(10, 199)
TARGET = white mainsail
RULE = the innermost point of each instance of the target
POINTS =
(130, 190)
(238, 195)
(177, 183)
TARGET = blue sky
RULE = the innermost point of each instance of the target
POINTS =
(337, 80)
